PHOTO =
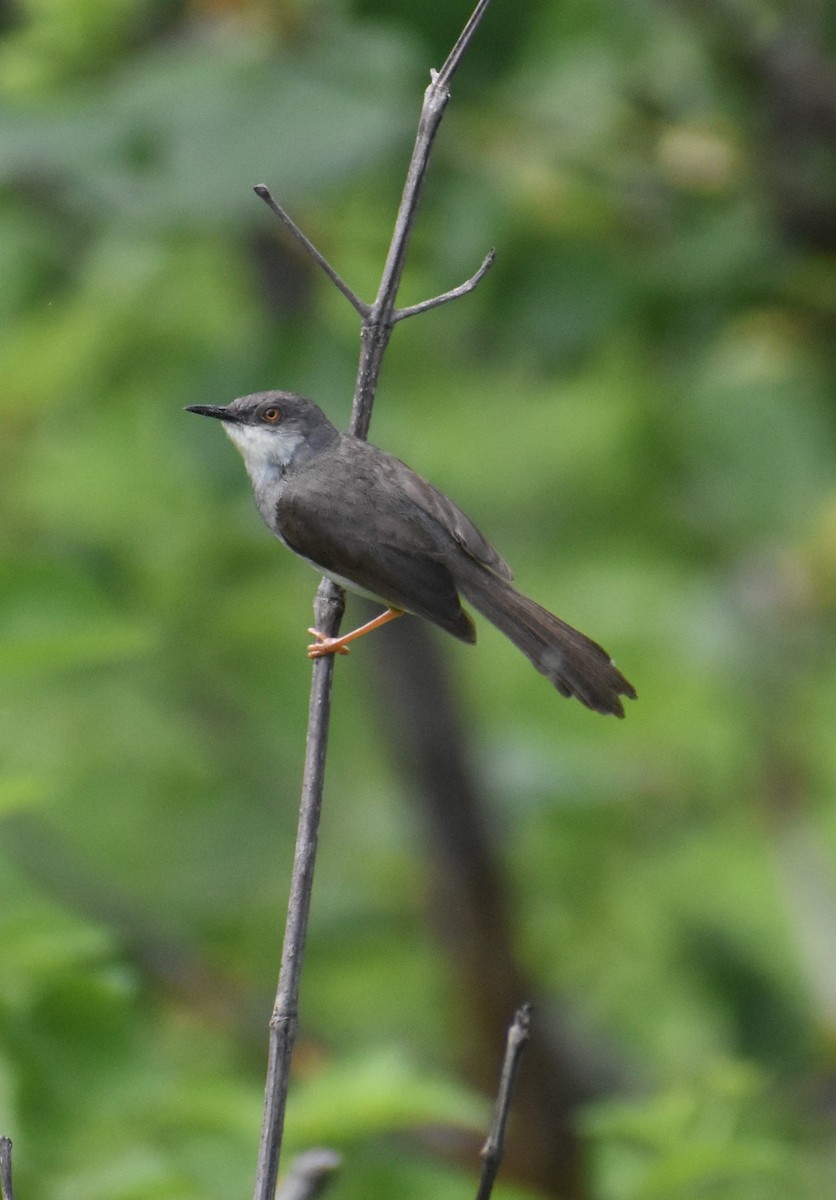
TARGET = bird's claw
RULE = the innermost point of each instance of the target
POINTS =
(325, 645)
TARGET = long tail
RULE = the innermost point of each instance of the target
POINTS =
(575, 664)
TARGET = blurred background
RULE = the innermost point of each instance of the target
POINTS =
(638, 407)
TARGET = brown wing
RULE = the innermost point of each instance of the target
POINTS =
(447, 515)
(341, 525)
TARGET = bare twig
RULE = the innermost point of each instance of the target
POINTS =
(464, 39)
(264, 192)
(377, 323)
(309, 1174)
(453, 294)
(494, 1148)
(6, 1191)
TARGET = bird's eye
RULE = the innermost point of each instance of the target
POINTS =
(271, 415)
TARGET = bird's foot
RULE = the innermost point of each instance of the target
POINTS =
(338, 645)
(326, 645)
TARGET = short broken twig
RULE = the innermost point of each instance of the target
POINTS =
(6, 1191)
(494, 1147)
(309, 1173)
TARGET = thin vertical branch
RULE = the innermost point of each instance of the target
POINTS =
(377, 323)
(285, 1016)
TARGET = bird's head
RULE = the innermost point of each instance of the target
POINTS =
(273, 430)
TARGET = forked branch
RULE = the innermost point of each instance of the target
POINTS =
(380, 317)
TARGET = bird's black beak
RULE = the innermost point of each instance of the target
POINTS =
(213, 410)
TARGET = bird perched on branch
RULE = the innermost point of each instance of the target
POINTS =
(370, 523)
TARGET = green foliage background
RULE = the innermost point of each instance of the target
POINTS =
(638, 407)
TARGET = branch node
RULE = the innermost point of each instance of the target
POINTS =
(329, 606)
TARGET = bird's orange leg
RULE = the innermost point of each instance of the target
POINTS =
(338, 645)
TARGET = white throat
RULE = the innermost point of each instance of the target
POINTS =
(266, 453)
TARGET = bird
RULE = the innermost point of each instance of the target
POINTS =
(362, 517)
